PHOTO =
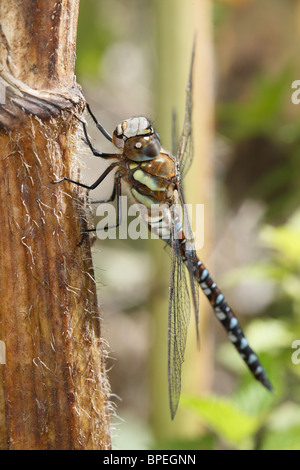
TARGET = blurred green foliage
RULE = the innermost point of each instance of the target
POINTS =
(260, 112)
(265, 145)
(93, 37)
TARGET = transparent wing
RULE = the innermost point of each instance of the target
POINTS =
(179, 298)
(191, 256)
(174, 132)
(179, 317)
(185, 148)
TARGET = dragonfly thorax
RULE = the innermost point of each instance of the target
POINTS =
(138, 139)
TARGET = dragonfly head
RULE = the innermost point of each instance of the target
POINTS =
(138, 139)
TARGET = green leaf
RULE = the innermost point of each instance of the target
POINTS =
(223, 417)
(254, 399)
(284, 239)
(206, 442)
(282, 440)
(268, 335)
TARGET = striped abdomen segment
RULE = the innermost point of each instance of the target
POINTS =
(226, 317)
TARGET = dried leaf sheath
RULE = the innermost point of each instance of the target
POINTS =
(54, 373)
(53, 387)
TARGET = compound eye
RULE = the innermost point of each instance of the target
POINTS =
(152, 149)
(142, 148)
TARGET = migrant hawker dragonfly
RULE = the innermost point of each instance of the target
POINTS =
(154, 177)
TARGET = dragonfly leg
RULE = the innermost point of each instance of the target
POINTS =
(115, 194)
(95, 151)
(87, 140)
(109, 199)
(94, 185)
(99, 126)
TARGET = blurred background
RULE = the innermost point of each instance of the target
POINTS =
(133, 59)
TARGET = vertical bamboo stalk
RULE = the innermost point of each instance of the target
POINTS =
(53, 388)
(177, 22)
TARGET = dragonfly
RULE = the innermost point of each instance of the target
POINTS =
(154, 178)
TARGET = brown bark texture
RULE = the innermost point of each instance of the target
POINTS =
(53, 387)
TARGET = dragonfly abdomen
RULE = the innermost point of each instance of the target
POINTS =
(224, 314)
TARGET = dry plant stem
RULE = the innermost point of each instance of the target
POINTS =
(53, 387)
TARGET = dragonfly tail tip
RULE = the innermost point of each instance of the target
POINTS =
(266, 383)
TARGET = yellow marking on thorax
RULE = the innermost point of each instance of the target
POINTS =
(145, 200)
(147, 180)
(133, 165)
